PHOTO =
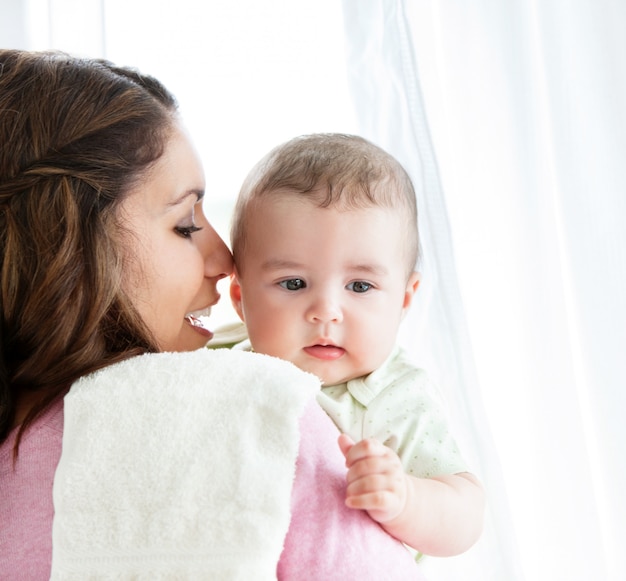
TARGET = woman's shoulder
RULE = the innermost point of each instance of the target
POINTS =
(44, 433)
(26, 508)
(219, 361)
(201, 372)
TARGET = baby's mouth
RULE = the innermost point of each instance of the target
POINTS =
(325, 352)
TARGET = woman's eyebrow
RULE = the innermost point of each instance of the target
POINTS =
(193, 192)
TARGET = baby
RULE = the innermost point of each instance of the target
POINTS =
(325, 243)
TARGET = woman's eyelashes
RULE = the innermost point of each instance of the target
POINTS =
(187, 231)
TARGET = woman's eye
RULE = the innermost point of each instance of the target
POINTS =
(359, 286)
(187, 231)
(293, 284)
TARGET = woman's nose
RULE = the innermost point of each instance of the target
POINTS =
(218, 261)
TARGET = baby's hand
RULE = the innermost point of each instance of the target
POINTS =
(376, 480)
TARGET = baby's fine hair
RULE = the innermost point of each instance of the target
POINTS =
(331, 170)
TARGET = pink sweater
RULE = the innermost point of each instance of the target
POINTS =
(326, 540)
(26, 509)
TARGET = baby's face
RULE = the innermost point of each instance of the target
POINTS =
(323, 288)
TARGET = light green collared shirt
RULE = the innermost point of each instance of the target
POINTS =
(397, 405)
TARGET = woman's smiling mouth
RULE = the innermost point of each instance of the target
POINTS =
(199, 321)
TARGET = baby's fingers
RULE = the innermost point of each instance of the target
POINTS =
(367, 448)
(381, 495)
(372, 466)
(379, 500)
(345, 444)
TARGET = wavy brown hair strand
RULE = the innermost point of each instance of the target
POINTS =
(75, 136)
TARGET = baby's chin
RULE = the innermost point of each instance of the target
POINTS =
(327, 381)
(338, 376)
(330, 378)
(328, 371)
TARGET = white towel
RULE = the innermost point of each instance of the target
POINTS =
(178, 466)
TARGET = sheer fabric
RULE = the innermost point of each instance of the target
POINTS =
(387, 96)
(524, 101)
(510, 118)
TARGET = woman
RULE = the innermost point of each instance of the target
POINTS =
(107, 256)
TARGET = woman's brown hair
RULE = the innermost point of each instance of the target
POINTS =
(75, 135)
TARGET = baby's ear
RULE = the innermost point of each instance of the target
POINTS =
(235, 294)
(411, 289)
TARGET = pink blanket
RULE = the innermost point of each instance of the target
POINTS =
(328, 543)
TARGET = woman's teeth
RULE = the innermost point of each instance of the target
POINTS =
(199, 318)
(200, 313)
(194, 321)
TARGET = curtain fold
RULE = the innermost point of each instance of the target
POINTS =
(510, 118)
(584, 51)
(387, 97)
(525, 255)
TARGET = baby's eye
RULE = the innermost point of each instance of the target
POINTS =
(359, 286)
(187, 231)
(293, 284)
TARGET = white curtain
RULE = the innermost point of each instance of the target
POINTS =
(248, 74)
(510, 117)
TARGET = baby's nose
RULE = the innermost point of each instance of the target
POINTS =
(325, 310)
